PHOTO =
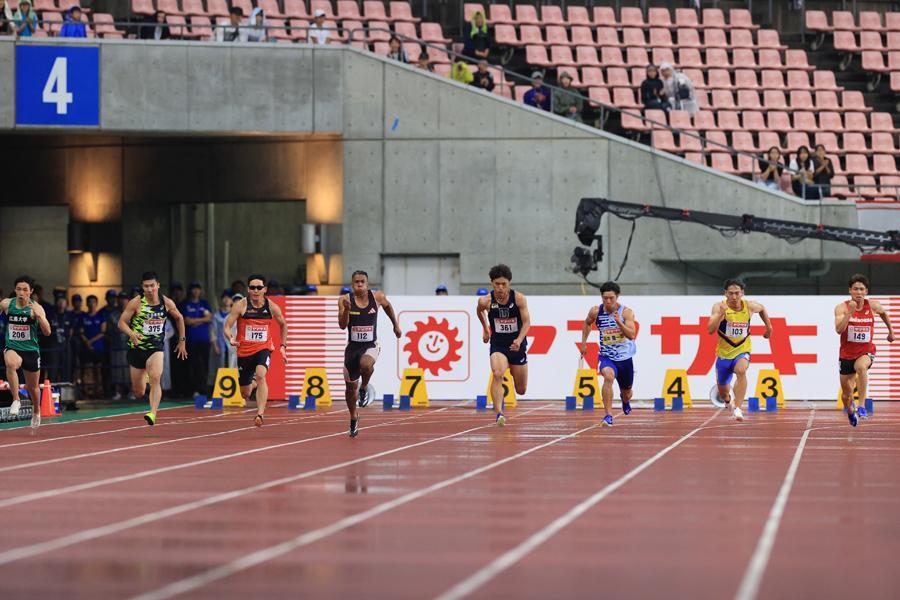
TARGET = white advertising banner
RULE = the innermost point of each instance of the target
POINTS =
(442, 336)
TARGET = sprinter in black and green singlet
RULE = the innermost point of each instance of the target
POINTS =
(24, 319)
(144, 322)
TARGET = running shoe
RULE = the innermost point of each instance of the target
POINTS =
(501, 420)
(607, 421)
(853, 420)
(354, 427)
(258, 420)
(14, 407)
(626, 408)
(737, 414)
(366, 395)
(150, 417)
(36, 419)
(861, 411)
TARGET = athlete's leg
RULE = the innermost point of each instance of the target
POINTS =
(154, 370)
(352, 392)
(723, 379)
(32, 384)
(13, 364)
(606, 388)
(861, 366)
(138, 382)
(740, 383)
(366, 369)
(625, 378)
(847, 384)
(499, 365)
(520, 377)
(626, 396)
(262, 389)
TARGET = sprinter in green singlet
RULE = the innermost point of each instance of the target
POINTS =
(24, 318)
(144, 322)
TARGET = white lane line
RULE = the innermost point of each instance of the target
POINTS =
(104, 530)
(513, 555)
(757, 566)
(266, 554)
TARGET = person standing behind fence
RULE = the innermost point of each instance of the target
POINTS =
(197, 316)
(225, 353)
(117, 342)
(58, 359)
(93, 333)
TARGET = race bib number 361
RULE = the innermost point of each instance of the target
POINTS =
(506, 325)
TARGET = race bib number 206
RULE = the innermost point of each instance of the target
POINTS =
(20, 333)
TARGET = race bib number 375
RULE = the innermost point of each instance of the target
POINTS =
(154, 326)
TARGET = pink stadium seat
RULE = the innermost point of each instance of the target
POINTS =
(348, 9)
(659, 17)
(617, 77)
(856, 164)
(537, 56)
(219, 8)
(831, 121)
(681, 120)
(586, 56)
(746, 79)
(505, 35)
(405, 30)
(774, 100)
(655, 118)
(695, 157)
(632, 17)
(824, 80)
(748, 100)
(893, 40)
(201, 27)
(840, 188)
(604, 16)
(247, 6)
(715, 38)
(611, 57)
(892, 21)
(178, 27)
(661, 55)
(638, 74)
(817, 20)
(689, 38)
(52, 22)
(717, 58)
(740, 18)
(768, 139)
(437, 55)
(582, 36)
(745, 58)
(578, 15)
(796, 59)
(633, 122)
(636, 57)
(689, 142)
(770, 59)
(379, 31)
(853, 100)
(890, 186)
(743, 142)
(193, 7)
(608, 36)
(624, 98)
(752, 120)
(663, 139)
(400, 11)
(592, 77)
(561, 56)
(696, 77)
(804, 121)
(42, 6)
(854, 143)
(531, 34)
(599, 96)
(871, 40)
(469, 10)
(723, 99)
(103, 22)
(894, 61)
(526, 14)
(278, 29)
(883, 143)
(374, 10)
(686, 17)
(895, 81)
(845, 41)
(884, 164)
(714, 17)
(299, 34)
(768, 38)
(719, 79)
(323, 5)
(633, 37)
(827, 139)
(802, 100)
(500, 13)
(745, 164)
(170, 7)
(826, 101)
(865, 186)
(722, 161)
(552, 15)
(556, 35)
(660, 37)
(690, 57)
(778, 120)
(705, 120)
(795, 139)
(271, 8)
(728, 120)
(798, 80)
(842, 20)
(433, 32)
(741, 38)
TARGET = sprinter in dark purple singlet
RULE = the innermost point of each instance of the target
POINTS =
(358, 312)
(504, 316)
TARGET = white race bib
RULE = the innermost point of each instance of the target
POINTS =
(257, 333)
(19, 333)
(859, 334)
(362, 333)
(736, 329)
(612, 336)
(154, 326)
(506, 325)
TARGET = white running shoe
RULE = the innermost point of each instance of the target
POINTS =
(36, 419)
(14, 407)
(738, 415)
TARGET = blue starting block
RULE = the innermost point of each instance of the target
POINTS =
(310, 403)
(293, 402)
(571, 403)
(588, 403)
(480, 402)
(659, 404)
(870, 406)
(404, 402)
(678, 403)
(216, 404)
(199, 402)
(752, 404)
(388, 402)
(772, 404)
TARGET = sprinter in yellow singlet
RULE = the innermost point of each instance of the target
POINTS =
(730, 321)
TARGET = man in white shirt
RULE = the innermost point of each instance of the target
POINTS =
(318, 33)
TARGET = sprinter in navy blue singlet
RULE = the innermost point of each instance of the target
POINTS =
(505, 319)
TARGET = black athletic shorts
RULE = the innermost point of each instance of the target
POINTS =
(247, 366)
(353, 353)
(513, 358)
(31, 361)
(138, 357)
(848, 366)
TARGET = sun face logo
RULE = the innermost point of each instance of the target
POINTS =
(433, 346)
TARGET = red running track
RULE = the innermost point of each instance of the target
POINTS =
(441, 504)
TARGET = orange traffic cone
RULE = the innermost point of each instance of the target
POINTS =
(47, 407)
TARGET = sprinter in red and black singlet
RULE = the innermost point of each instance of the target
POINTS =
(854, 321)
(254, 316)
(358, 313)
(505, 319)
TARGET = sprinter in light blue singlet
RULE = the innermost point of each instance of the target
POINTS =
(615, 324)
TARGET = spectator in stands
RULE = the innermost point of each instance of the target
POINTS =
(236, 30)
(225, 353)
(441, 290)
(72, 25)
(178, 369)
(197, 316)
(274, 288)
(424, 61)
(6, 22)
(93, 333)
(771, 169)
(257, 31)
(823, 171)
(460, 72)
(318, 33)
(155, 27)
(238, 287)
(678, 88)
(567, 102)
(396, 50)
(117, 343)
(62, 324)
(801, 167)
(482, 78)
(653, 93)
(25, 22)
(477, 40)
(539, 94)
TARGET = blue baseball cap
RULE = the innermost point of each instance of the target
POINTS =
(441, 288)
(345, 289)
(111, 292)
(481, 292)
(76, 297)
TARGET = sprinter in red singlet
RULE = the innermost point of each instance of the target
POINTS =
(358, 313)
(854, 320)
(254, 316)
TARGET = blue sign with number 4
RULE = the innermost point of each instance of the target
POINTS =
(57, 85)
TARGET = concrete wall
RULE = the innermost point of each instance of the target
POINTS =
(427, 165)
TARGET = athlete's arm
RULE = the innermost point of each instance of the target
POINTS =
(586, 328)
(343, 311)
(481, 308)
(759, 308)
(175, 314)
(626, 323)
(718, 313)
(126, 317)
(237, 309)
(4, 305)
(842, 314)
(382, 300)
(879, 310)
(526, 322)
(279, 318)
(41, 317)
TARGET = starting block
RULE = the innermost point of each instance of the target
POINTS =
(480, 402)
(199, 402)
(588, 403)
(752, 404)
(571, 403)
(310, 403)
(388, 402)
(217, 404)
(404, 403)
(659, 404)
(677, 403)
(870, 406)
(772, 404)
(293, 402)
